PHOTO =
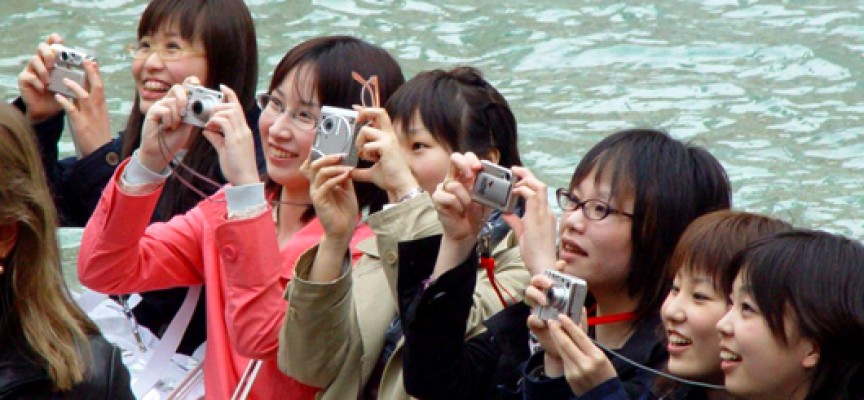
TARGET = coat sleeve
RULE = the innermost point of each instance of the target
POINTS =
(255, 283)
(121, 254)
(320, 326)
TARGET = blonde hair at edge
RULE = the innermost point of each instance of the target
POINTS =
(34, 297)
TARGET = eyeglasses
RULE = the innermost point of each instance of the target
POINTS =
(303, 119)
(144, 49)
(592, 209)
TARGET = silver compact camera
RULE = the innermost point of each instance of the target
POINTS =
(200, 104)
(69, 63)
(335, 134)
(566, 295)
(494, 187)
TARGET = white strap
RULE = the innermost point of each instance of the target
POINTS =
(188, 383)
(89, 300)
(168, 345)
(241, 392)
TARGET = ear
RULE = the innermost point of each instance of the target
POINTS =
(8, 238)
(811, 355)
(493, 155)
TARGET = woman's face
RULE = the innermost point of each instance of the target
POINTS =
(690, 315)
(755, 363)
(597, 251)
(286, 146)
(169, 62)
(428, 159)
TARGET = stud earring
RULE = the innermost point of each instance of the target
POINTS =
(3, 261)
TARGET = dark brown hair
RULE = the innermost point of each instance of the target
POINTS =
(671, 183)
(227, 32)
(331, 60)
(711, 241)
(461, 110)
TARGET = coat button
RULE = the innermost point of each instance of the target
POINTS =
(229, 253)
(112, 158)
(391, 258)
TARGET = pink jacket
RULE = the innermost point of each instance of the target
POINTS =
(239, 261)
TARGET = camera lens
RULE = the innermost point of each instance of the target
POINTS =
(328, 125)
(64, 56)
(556, 297)
(197, 107)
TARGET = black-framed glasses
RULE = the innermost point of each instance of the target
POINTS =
(302, 119)
(592, 209)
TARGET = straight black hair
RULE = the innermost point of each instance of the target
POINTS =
(227, 32)
(671, 183)
(461, 110)
(817, 279)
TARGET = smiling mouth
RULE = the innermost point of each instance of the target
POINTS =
(281, 154)
(727, 355)
(155, 86)
(678, 340)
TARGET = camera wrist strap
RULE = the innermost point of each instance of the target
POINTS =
(488, 264)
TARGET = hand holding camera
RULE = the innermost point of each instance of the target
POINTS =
(536, 229)
(377, 142)
(33, 82)
(226, 129)
(164, 132)
(335, 134)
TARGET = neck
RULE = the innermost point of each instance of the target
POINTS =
(608, 303)
(716, 394)
(289, 214)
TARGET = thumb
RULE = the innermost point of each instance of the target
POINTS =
(362, 174)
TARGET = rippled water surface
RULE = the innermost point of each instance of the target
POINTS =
(772, 88)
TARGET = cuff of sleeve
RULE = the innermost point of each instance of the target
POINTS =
(245, 199)
(136, 174)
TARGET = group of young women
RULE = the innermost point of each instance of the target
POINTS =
(385, 280)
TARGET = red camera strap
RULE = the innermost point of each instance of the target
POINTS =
(609, 319)
(488, 263)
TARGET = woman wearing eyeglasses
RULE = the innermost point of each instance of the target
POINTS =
(242, 242)
(629, 200)
(211, 39)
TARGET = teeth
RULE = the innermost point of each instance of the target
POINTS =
(726, 355)
(278, 153)
(675, 339)
(155, 86)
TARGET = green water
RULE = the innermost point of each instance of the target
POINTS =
(772, 88)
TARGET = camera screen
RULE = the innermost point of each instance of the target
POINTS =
(495, 190)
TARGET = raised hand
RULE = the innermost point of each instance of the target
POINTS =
(33, 82)
(536, 230)
(231, 137)
(461, 218)
(164, 133)
(88, 112)
(377, 142)
(336, 206)
(333, 197)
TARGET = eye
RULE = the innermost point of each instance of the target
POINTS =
(274, 104)
(419, 146)
(699, 296)
(598, 208)
(143, 44)
(747, 308)
(674, 289)
(306, 117)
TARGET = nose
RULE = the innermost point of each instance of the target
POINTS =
(725, 325)
(153, 61)
(281, 126)
(671, 309)
(574, 221)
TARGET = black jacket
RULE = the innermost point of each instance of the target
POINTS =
(438, 362)
(22, 378)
